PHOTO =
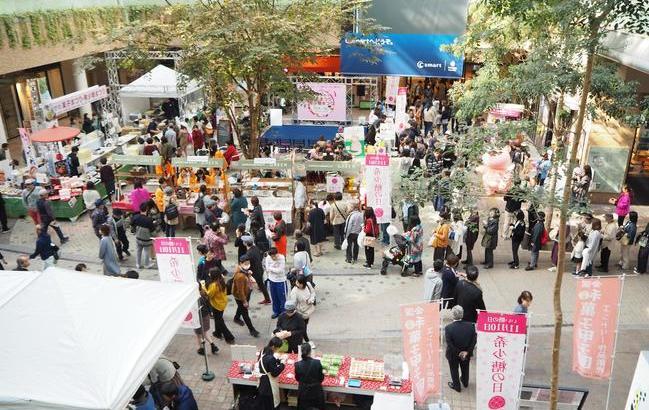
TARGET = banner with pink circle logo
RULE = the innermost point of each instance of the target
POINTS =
(378, 187)
(329, 105)
(500, 357)
(176, 264)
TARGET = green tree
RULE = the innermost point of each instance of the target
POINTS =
(241, 49)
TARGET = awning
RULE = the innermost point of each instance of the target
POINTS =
(55, 134)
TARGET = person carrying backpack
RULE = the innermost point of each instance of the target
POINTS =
(171, 213)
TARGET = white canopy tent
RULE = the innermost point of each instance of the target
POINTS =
(74, 340)
(159, 83)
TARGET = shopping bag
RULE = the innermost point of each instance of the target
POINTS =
(344, 245)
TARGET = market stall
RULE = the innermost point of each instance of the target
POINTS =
(275, 194)
(86, 363)
(139, 98)
(345, 378)
(339, 176)
(132, 167)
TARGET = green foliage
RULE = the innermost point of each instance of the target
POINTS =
(35, 22)
(25, 37)
(9, 23)
(52, 29)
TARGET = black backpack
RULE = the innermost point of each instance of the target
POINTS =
(199, 206)
(228, 285)
(171, 211)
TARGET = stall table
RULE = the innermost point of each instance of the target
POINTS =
(334, 384)
(70, 209)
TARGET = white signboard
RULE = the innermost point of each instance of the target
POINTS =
(378, 187)
(176, 264)
(275, 117)
(335, 183)
(639, 392)
(69, 102)
(391, 90)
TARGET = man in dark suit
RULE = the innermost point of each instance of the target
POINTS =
(460, 338)
(469, 295)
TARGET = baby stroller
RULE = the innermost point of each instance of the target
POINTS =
(397, 255)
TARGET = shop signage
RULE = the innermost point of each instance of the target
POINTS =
(332, 166)
(176, 264)
(420, 328)
(355, 140)
(595, 323)
(265, 161)
(69, 102)
(500, 357)
(136, 159)
(391, 89)
(330, 103)
(378, 187)
(251, 164)
(197, 161)
(405, 55)
(28, 149)
(638, 398)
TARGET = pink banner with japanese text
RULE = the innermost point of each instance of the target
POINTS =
(176, 264)
(420, 326)
(330, 103)
(500, 358)
(378, 186)
(595, 324)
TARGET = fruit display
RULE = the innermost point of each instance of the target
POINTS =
(331, 364)
(367, 370)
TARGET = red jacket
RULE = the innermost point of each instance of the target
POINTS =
(371, 228)
(231, 154)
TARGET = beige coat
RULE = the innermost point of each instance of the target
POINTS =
(338, 212)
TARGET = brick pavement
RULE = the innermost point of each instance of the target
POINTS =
(370, 302)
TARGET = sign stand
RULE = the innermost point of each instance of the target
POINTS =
(617, 331)
(527, 346)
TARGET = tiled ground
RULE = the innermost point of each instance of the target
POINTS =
(358, 314)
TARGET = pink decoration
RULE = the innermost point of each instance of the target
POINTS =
(496, 170)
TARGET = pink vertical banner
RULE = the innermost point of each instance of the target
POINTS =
(499, 360)
(420, 329)
(176, 264)
(378, 188)
(330, 103)
(391, 89)
(595, 324)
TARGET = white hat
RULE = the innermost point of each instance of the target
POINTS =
(29, 181)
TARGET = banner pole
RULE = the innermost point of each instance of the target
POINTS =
(527, 347)
(617, 328)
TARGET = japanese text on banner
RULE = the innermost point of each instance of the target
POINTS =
(500, 358)
(378, 186)
(595, 323)
(176, 264)
(420, 332)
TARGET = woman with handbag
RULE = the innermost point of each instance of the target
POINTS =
(270, 367)
(626, 236)
(303, 294)
(371, 229)
(623, 205)
(316, 227)
(171, 214)
(440, 240)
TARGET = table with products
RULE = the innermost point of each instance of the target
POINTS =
(368, 375)
(69, 208)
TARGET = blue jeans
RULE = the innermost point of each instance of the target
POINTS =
(277, 291)
(385, 238)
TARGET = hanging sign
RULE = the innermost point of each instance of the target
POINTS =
(28, 148)
(355, 140)
(391, 90)
(335, 183)
(136, 159)
(332, 166)
(500, 358)
(197, 161)
(595, 324)
(69, 102)
(252, 164)
(330, 103)
(420, 326)
(378, 187)
(176, 264)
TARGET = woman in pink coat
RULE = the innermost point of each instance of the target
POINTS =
(623, 204)
(139, 195)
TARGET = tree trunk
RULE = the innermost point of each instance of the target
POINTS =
(556, 128)
(254, 104)
(565, 205)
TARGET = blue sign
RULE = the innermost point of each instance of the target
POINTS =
(418, 55)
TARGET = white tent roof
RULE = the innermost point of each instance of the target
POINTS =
(158, 83)
(80, 341)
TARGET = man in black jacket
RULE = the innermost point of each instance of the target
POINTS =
(513, 203)
(469, 295)
(460, 338)
(290, 326)
(256, 266)
(535, 240)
